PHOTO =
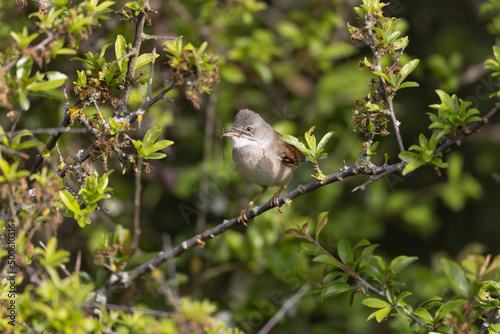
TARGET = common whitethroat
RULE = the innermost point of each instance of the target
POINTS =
(261, 156)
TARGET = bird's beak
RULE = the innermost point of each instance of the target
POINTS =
(238, 134)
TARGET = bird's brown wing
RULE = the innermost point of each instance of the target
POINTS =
(289, 154)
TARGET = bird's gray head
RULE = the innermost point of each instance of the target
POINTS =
(249, 126)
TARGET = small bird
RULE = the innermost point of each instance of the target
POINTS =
(261, 156)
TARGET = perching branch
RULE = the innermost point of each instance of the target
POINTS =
(124, 279)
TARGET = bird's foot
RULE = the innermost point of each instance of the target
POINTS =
(242, 218)
(276, 196)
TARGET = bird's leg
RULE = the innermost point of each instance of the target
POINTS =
(275, 198)
(242, 218)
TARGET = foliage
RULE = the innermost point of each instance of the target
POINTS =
(83, 92)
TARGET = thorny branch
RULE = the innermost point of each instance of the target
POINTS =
(124, 279)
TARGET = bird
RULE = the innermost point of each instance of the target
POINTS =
(261, 156)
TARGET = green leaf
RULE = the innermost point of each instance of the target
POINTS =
(457, 278)
(322, 220)
(55, 79)
(412, 166)
(160, 145)
(344, 249)
(408, 84)
(375, 303)
(155, 155)
(143, 59)
(401, 262)
(381, 314)
(383, 75)
(323, 258)
(407, 69)
(335, 288)
(294, 141)
(324, 140)
(69, 201)
(120, 45)
(446, 308)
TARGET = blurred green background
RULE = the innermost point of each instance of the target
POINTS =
(294, 64)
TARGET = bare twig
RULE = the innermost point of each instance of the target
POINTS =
(141, 19)
(282, 311)
(129, 309)
(22, 155)
(137, 207)
(205, 165)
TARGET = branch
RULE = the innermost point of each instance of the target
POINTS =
(493, 316)
(129, 309)
(282, 311)
(388, 98)
(124, 279)
(137, 207)
(139, 37)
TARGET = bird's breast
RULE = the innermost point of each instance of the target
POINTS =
(262, 166)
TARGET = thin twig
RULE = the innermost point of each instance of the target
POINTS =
(130, 309)
(378, 67)
(10, 151)
(282, 311)
(51, 131)
(201, 219)
(141, 19)
(137, 207)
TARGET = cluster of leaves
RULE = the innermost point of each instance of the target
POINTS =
(195, 68)
(53, 27)
(358, 271)
(313, 151)
(382, 35)
(453, 115)
(104, 76)
(95, 189)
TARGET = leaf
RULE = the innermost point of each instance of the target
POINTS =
(323, 258)
(143, 59)
(335, 288)
(55, 79)
(322, 220)
(344, 249)
(412, 166)
(408, 84)
(407, 69)
(324, 140)
(120, 45)
(375, 303)
(457, 278)
(446, 308)
(160, 145)
(401, 262)
(295, 233)
(155, 155)
(383, 75)
(69, 201)
(381, 314)
(294, 141)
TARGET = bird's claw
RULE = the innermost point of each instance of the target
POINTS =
(276, 202)
(242, 218)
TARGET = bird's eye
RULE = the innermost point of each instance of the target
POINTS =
(249, 128)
